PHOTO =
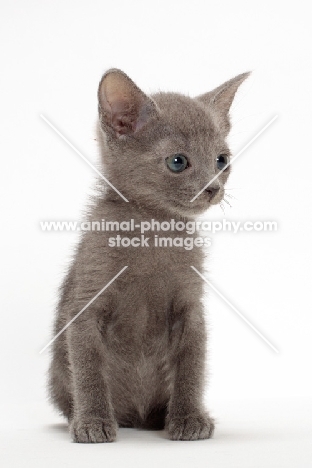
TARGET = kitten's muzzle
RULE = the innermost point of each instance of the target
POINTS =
(212, 191)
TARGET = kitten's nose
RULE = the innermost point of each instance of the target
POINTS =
(212, 191)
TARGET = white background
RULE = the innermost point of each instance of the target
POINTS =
(52, 57)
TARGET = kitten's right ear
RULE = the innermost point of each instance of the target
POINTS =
(221, 98)
(124, 109)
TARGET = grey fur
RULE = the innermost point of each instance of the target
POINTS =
(136, 356)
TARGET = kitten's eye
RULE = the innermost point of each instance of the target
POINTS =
(222, 161)
(177, 163)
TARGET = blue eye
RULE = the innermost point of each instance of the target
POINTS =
(177, 163)
(222, 161)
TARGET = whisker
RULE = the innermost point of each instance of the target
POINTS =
(226, 201)
(222, 207)
(230, 196)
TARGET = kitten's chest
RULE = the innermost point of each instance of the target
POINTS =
(142, 317)
(161, 257)
(144, 297)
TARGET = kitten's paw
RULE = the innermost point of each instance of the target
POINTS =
(191, 427)
(93, 430)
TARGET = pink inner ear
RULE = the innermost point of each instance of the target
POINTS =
(126, 108)
(123, 116)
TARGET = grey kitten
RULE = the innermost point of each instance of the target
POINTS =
(136, 356)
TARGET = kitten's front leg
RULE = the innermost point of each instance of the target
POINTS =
(93, 419)
(187, 419)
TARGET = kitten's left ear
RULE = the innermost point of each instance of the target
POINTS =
(124, 109)
(221, 98)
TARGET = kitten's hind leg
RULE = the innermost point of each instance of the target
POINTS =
(59, 379)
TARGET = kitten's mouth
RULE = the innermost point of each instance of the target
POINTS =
(209, 197)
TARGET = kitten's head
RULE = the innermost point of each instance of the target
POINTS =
(161, 150)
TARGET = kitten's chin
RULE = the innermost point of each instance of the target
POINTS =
(194, 210)
(198, 207)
